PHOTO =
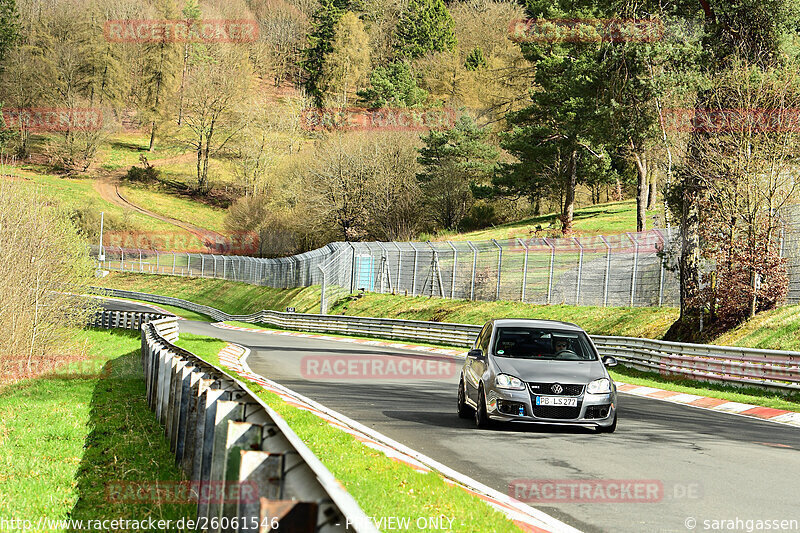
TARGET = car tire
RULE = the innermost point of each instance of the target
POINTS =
(464, 410)
(609, 429)
(482, 420)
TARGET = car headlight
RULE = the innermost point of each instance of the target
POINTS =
(599, 386)
(504, 381)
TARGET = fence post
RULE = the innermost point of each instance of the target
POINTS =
(474, 266)
(524, 270)
(122, 258)
(499, 267)
(173, 263)
(352, 268)
(661, 270)
(158, 268)
(580, 272)
(608, 271)
(384, 265)
(414, 280)
(322, 307)
(141, 267)
(399, 263)
(635, 265)
(215, 264)
(202, 265)
(550, 277)
(453, 277)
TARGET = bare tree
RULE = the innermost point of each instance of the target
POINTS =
(216, 91)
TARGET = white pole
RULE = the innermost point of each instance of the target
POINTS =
(101, 256)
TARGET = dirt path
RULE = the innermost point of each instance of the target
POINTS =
(107, 186)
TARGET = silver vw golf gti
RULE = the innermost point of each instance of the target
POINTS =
(537, 371)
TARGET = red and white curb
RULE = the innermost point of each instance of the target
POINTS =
(525, 517)
(769, 414)
(780, 416)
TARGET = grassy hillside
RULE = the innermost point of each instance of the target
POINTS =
(240, 298)
(778, 329)
(652, 322)
(229, 296)
(600, 219)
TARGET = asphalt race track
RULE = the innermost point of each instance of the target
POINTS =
(711, 465)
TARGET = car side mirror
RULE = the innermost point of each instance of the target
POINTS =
(609, 360)
(476, 354)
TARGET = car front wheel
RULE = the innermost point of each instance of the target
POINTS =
(464, 410)
(482, 419)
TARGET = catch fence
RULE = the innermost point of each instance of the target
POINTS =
(629, 269)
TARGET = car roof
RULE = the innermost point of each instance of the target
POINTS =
(535, 323)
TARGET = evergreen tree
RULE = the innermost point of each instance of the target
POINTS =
(475, 59)
(9, 27)
(393, 86)
(453, 162)
(563, 128)
(323, 29)
(425, 26)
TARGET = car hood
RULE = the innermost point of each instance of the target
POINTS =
(531, 370)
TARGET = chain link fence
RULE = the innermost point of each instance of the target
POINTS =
(620, 270)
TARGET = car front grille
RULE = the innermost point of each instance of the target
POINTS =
(546, 389)
(556, 412)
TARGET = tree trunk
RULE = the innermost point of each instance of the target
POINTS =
(568, 212)
(618, 191)
(651, 196)
(690, 243)
(152, 136)
(641, 191)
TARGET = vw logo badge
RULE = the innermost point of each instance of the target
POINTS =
(557, 389)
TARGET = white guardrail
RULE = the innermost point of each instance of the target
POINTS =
(771, 369)
(250, 472)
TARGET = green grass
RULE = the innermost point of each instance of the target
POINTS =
(65, 436)
(123, 149)
(600, 219)
(778, 329)
(172, 206)
(79, 193)
(380, 485)
(650, 322)
(230, 296)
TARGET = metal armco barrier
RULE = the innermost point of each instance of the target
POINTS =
(231, 444)
(225, 436)
(107, 319)
(744, 366)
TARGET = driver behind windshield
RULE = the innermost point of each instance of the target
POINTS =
(561, 345)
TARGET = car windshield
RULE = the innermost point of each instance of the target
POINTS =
(535, 343)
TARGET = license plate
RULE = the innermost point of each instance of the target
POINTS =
(557, 401)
